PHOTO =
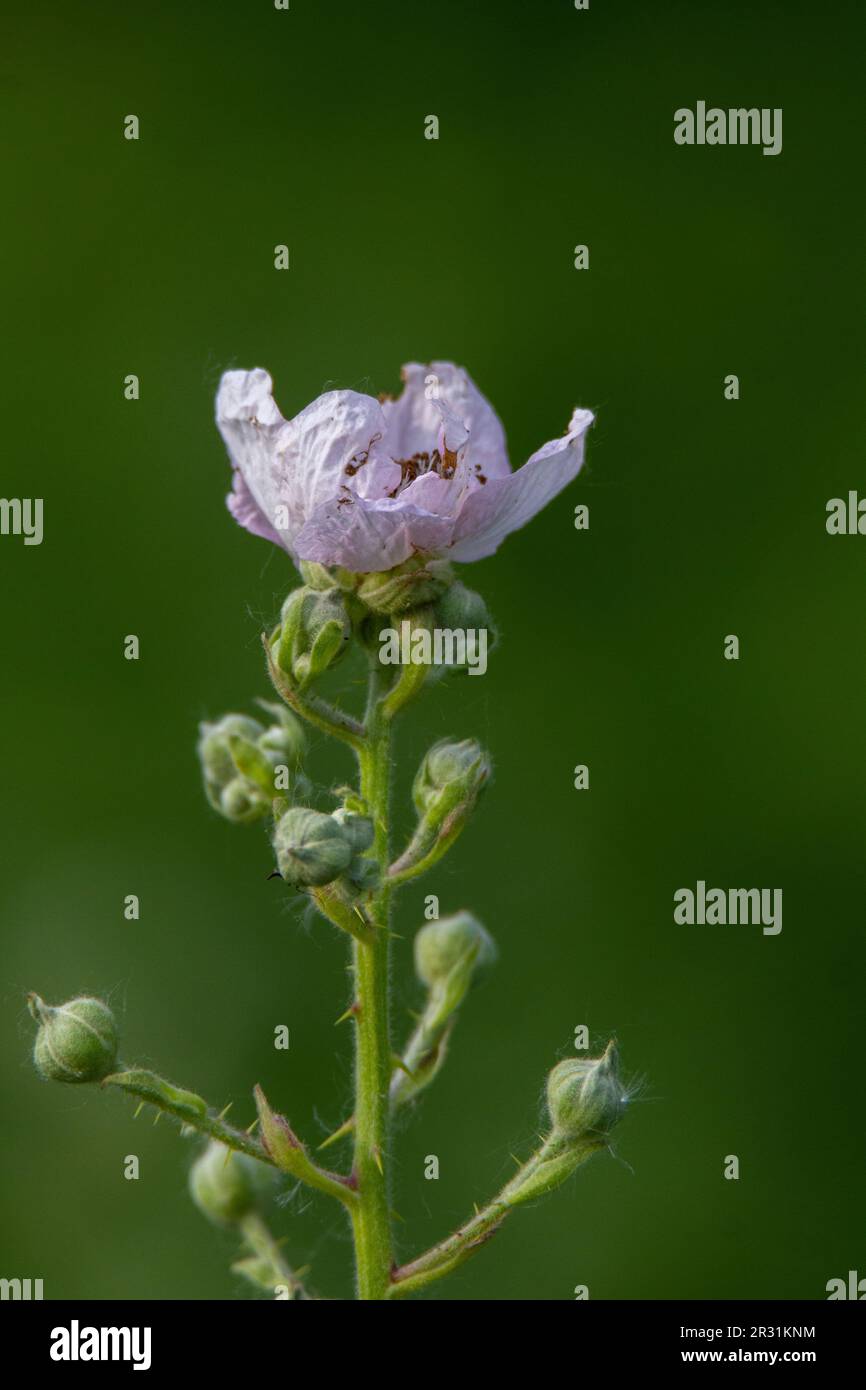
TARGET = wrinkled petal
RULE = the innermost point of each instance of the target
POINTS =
(247, 512)
(379, 477)
(492, 512)
(327, 446)
(250, 423)
(291, 467)
(370, 536)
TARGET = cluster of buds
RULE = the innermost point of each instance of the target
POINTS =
(246, 765)
(313, 848)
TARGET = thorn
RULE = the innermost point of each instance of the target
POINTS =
(352, 1012)
(377, 1159)
(397, 1064)
(251, 1128)
(138, 1109)
(227, 1157)
(223, 1113)
(518, 1161)
(477, 1208)
(275, 873)
(156, 1118)
(345, 1128)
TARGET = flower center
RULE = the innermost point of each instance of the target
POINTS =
(443, 463)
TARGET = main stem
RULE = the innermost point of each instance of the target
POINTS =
(371, 1217)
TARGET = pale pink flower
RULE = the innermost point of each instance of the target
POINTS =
(366, 484)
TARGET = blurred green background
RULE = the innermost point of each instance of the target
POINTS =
(261, 127)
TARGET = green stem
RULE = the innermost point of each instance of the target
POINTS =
(371, 1215)
(311, 707)
(547, 1169)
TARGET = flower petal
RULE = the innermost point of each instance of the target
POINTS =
(326, 446)
(250, 424)
(493, 511)
(289, 468)
(247, 512)
(414, 422)
(369, 536)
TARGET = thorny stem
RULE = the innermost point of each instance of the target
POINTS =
(373, 1063)
(193, 1112)
(548, 1167)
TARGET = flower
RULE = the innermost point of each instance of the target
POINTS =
(366, 484)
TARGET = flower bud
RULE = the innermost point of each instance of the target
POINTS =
(585, 1096)
(285, 740)
(454, 950)
(463, 610)
(312, 848)
(357, 829)
(416, 581)
(239, 759)
(451, 773)
(76, 1042)
(313, 635)
(226, 1185)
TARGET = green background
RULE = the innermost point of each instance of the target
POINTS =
(707, 517)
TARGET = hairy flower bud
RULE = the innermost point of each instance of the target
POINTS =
(226, 1185)
(456, 950)
(76, 1041)
(312, 848)
(463, 610)
(451, 773)
(285, 740)
(314, 633)
(357, 829)
(240, 758)
(415, 582)
(585, 1096)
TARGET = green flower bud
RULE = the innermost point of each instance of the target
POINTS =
(357, 829)
(76, 1042)
(585, 1096)
(463, 610)
(415, 582)
(313, 635)
(229, 790)
(240, 757)
(312, 848)
(285, 740)
(456, 950)
(451, 773)
(226, 1185)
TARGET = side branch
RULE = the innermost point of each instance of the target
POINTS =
(280, 1149)
(547, 1169)
(313, 708)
